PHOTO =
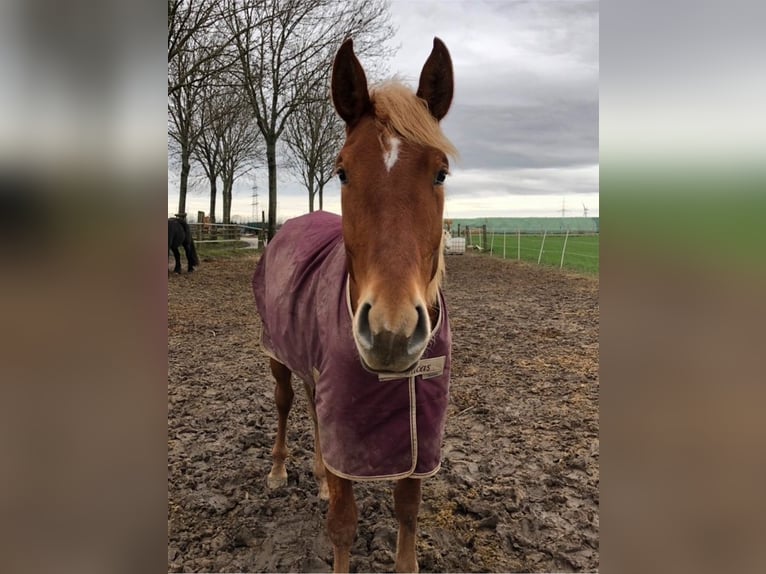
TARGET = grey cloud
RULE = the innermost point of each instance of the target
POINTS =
(502, 137)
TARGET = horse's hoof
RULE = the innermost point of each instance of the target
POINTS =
(276, 481)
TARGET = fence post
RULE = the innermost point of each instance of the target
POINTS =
(563, 250)
(518, 245)
(539, 257)
(484, 237)
(504, 234)
(467, 237)
(492, 244)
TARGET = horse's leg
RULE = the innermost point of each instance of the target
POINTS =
(283, 396)
(319, 468)
(406, 507)
(341, 520)
(189, 256)
(177, 256)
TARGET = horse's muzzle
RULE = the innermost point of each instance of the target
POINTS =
(384, 350)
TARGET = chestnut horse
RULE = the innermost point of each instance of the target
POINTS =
(353, 305)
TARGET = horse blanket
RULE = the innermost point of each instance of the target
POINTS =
(371, 426)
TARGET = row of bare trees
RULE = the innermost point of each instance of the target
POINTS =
(248, 82)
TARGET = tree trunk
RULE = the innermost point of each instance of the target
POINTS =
(185, 169)
(227, 185)
(271, 158)
(321, 189)
(213, 192)
(312, 193)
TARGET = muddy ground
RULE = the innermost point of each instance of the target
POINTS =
(519, 487)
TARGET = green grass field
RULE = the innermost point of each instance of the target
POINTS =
(581, 253)
(222, 250)
(581, 250)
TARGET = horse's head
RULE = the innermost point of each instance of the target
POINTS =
(392, 167)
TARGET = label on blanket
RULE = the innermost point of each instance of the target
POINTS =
(426, 368)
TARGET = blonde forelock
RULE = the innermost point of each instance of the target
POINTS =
(398, 111)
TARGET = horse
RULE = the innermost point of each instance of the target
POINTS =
(179, 234)
(353, 305)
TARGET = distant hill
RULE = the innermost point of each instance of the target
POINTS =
(531, 224)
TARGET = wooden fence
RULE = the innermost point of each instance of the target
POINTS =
(216, 231)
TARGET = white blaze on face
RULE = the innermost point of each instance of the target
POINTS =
(391, 154)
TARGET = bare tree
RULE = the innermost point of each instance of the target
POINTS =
(183, 125)
(313, 136)
(207, 151)
(195, 35)
(285, 49)
(240, 148)
(228, 144)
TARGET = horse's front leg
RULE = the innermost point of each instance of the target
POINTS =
(283, 396)
(406, 508)
(341, 519)
(319, 469)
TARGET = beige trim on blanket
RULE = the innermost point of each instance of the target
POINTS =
(413, 449)
(413, 410)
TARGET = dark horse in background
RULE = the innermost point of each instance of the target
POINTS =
(179, 235)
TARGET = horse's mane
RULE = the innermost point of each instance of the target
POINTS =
(398, 111)
(432, 293)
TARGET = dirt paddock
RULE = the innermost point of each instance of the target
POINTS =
(519, 485)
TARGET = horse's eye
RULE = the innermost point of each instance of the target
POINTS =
(342, 176)
(440, 177)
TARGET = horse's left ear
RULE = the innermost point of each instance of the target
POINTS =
(436, 81)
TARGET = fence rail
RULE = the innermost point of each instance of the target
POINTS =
(219, 232)
(578, 251)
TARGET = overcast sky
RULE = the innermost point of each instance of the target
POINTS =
(524, 116)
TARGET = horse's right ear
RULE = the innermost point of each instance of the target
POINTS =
(349, 85)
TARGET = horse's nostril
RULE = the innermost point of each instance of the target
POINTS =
(363, 326)
(420, 335)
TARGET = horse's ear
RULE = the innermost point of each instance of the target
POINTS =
(436, 80)
(349, 85)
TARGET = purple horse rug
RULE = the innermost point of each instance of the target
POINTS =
(371, 426)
